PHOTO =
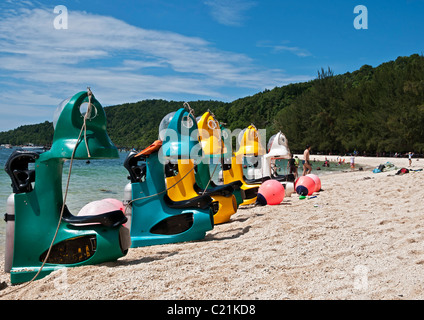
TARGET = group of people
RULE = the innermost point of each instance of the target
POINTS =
(293, 163)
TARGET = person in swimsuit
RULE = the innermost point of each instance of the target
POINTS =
(410, 154)
(352, 162)
(307, 168)
(291, 165)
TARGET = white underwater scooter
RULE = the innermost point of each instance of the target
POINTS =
(266, 166)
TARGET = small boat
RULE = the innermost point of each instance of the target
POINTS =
(34, 148)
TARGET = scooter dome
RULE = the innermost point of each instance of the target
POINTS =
(164, 124)
(210, 135)
(270, 142)
(249, 142)
(178, 132)
(277, 145)
(70, 118)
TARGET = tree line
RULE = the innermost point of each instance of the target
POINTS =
(370, 110)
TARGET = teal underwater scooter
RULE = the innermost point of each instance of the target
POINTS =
(182, 128)
(154, 217)
(37, 209)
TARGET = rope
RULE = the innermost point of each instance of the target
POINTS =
(190, 110)
(159, 193)
(86, 116)
(210, 179)
(64, 200)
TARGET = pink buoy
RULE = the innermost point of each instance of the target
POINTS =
(101, 206)
(273, 192)
(306, 182)
(317, 181)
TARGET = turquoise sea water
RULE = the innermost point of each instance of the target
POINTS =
(98, 180)
(317, 167)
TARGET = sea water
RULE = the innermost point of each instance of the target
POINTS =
(100, 179)
(318, 167)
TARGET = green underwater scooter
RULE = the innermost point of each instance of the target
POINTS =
(154, 217)
(38, 202)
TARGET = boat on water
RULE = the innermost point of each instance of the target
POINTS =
(34, 148)
(29, 147)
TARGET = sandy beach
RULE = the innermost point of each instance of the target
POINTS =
(360, 238)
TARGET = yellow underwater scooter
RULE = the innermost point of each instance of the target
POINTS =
(213, 148)
(232, 165)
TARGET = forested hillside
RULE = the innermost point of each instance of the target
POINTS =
(372, 109)
(39, 134)
(137, 124)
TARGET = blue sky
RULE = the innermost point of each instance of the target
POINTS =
(185, 50)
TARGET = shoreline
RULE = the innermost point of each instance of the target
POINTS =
(366, 162)
(360, 238)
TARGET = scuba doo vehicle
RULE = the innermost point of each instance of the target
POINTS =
(182, 129)
(265, 167)
(213, 147)
(154, 216)
(38, 209)
(232, 166)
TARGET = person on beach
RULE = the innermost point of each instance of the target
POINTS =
(291, 165)
(307, 168)
(352, 163)
(410, 154)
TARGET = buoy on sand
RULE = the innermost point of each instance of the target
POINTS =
(317, 181)
(271, 192)
(305, 186)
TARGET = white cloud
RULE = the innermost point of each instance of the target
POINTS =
(300, 52)
(229, 12)
(40, 65)
(295, 50)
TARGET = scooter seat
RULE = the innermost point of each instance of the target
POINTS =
(225, 190)
(202, 202)
(236, 184)
(256, 181)
(109, 219)
(289, 177)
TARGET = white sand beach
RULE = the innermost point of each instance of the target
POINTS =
(360, 238)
